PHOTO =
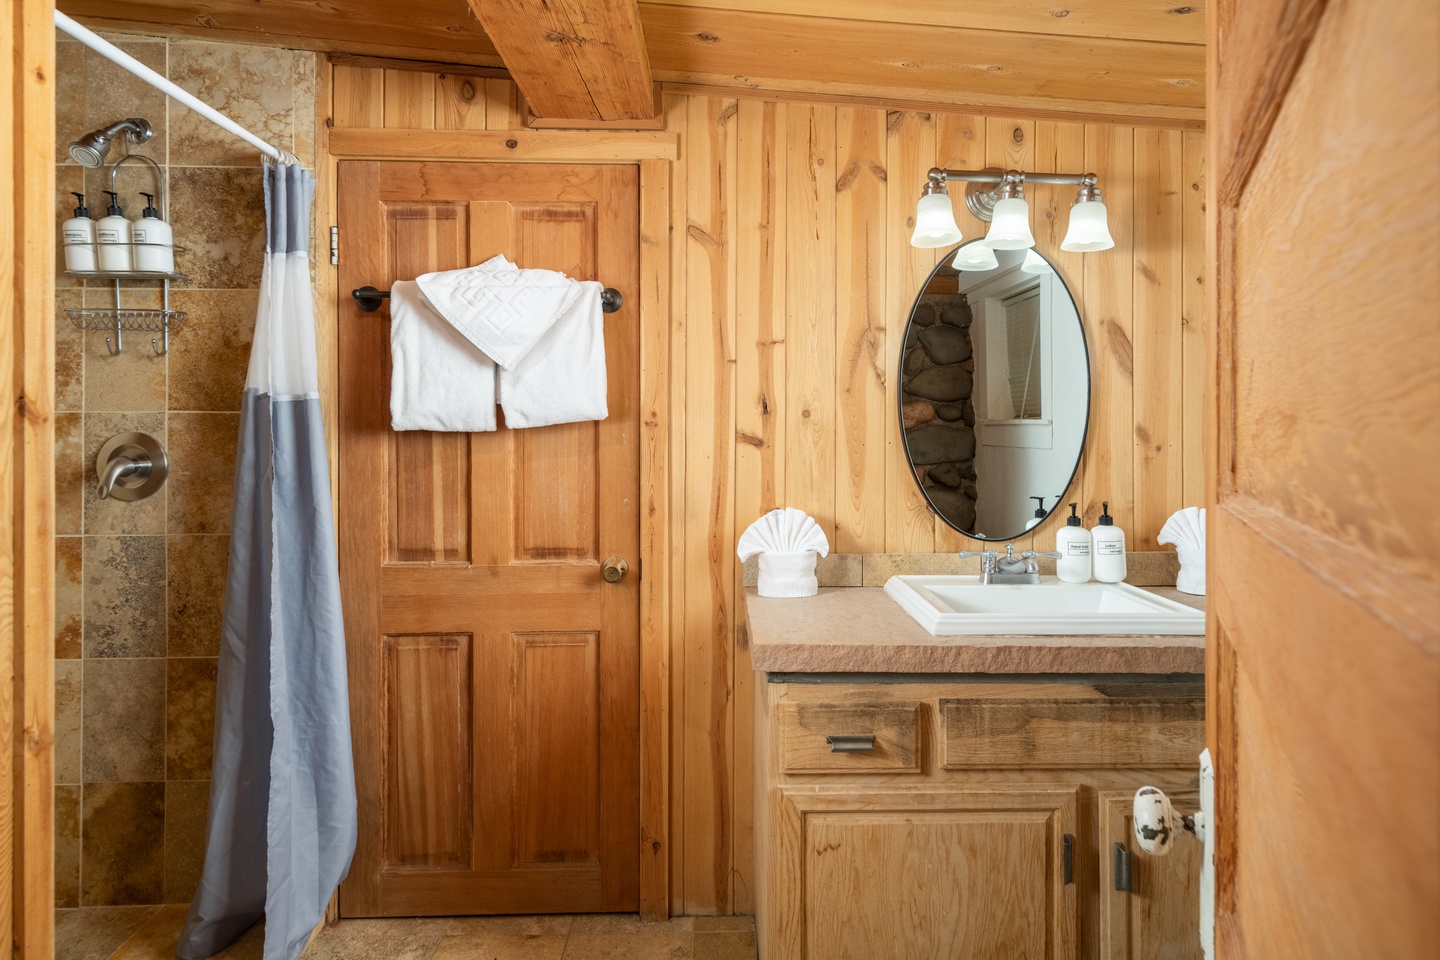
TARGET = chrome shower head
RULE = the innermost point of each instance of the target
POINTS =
(90, 150)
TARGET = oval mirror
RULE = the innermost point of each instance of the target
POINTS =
(994, 390)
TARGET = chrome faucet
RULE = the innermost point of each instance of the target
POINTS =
(1009, 569)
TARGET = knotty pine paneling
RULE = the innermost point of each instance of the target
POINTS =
(791, 278)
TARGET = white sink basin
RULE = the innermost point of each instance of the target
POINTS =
(962, 606)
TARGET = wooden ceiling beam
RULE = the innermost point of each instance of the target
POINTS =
(574, 59)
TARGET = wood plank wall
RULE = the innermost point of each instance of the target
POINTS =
(791, 279)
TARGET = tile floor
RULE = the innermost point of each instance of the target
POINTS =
(150, 933)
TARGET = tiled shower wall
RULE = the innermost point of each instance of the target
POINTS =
(140, 585)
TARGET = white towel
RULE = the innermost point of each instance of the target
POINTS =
(562, 378)
(500, 308)
(439, 381)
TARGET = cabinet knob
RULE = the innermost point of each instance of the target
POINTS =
(1157, 824)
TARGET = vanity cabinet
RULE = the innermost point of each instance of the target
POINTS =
(969, 819)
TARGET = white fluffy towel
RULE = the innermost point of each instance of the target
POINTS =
(544, 331)
(438, 381)
(1186, 529)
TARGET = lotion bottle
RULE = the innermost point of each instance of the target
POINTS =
(78, 237)
(1039, 513)
(1073, 541)
(112, 235)
(154, 250)
(1109, 549)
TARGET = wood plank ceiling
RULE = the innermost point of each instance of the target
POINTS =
(1137, 60)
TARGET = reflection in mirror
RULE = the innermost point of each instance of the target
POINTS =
(994, 390)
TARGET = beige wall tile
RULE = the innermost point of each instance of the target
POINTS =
(202, 471)
(189, 717)
(124, 720)
(68, 720)
(122, 844)
(135, 379)
(252, 85)
(112, 515)
(208, 361)
(219, 214)
(96, 932)
(67, 845)
(124, 596)
(69, 598)
(197, 568)
(69, 473)
(305, 66)
(187, 802)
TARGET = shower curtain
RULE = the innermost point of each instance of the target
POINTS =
(282, 798)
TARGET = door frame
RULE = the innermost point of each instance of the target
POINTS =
(652, 153)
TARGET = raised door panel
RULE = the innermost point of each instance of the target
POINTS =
(965, 873)
(1158, 918)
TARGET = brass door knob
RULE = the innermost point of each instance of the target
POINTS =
(613, 570)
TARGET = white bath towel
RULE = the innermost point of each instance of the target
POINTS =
(562, 378)
(439, 381)
(499, 307)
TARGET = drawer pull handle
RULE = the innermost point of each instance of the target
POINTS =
(851, 742)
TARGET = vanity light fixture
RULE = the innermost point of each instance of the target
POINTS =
(975, 258)
(1034, 263)
(998, 197)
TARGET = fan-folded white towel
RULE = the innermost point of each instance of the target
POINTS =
(500, 308)
(562, 378)
(439, 381)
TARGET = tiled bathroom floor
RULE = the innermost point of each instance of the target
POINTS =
(150, 933)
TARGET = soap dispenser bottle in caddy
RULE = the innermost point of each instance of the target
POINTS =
(77, 235)
(1109, 549)
(112, 235)
(154, 241)
(1073, 542)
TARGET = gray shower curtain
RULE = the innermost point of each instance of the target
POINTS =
(282, 800)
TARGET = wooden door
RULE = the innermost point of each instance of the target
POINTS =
(1323, 665)
(919, 872)
(494, 674)
(1157, 918)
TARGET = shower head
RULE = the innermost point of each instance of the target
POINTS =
(90, 150)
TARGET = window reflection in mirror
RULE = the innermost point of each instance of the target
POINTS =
(995, 389)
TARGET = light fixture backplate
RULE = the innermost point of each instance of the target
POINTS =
(981, 198)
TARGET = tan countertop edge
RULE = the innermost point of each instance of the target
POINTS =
(861, 630)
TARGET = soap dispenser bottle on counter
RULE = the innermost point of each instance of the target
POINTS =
(77, 235)
(153, 246)
(112, 235)
(1073, 542)
(1109, 549)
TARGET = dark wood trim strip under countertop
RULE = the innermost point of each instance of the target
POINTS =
(862, 630)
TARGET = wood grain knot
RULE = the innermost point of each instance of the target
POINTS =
(512, 144)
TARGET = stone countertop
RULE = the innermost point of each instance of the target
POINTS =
(862, 630)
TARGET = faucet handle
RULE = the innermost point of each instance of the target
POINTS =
(1032, 554)
(982, 554)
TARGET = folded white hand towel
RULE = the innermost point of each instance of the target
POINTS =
(562, 378)
(439, 381)
(1186, 530)
(500, 308)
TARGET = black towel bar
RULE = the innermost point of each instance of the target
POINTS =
(368, 299)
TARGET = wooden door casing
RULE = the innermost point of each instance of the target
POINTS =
(1323, 654)
(494, 675)
(904, 873)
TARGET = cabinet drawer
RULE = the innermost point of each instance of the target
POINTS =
(1166, 732)
(831, 737)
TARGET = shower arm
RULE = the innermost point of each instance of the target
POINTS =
(114, 54)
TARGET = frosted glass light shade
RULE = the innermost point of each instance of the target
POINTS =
(1010, 228)
(1034, 263)
(1088, 230)
(975, 258)
(935, 224)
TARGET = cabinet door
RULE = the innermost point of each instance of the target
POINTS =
(1159, 917)
(924, 873)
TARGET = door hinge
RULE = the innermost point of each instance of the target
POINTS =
(1067, 863)
(1124, 869)
(335, 246)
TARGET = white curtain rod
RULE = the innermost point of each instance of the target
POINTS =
(123, 59)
